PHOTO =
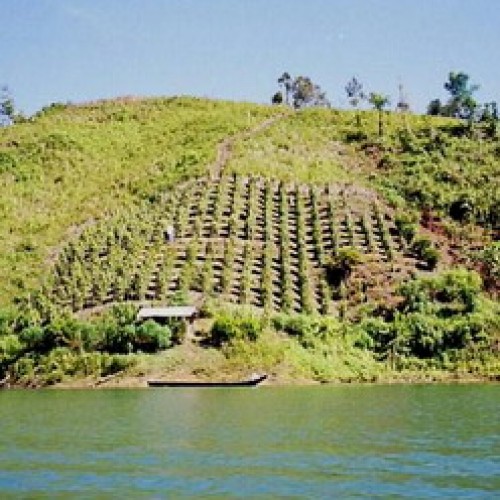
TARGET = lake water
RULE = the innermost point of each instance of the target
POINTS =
(440, 441)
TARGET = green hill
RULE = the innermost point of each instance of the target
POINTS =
(72, 165)
(363, 254)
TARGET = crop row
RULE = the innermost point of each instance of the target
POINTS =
(249, 240)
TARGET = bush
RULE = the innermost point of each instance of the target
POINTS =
(424, 249)
(7, 320)
(61, 363)
(458, 285)
(35, 340)
(438, 315)
(461, 209)
(308, 330)
(151, 337)
(406, 226)
(117, 339)
(124, 314)
(340, 265)
(227, 328)
(489, 263)
(10, 349)
(416, 296)
(380, 332)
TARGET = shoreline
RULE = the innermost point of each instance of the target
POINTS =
(123, 381)
(190, 362)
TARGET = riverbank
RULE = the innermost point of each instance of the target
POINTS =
(190, 362)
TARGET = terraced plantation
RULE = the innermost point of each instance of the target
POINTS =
(248, 240)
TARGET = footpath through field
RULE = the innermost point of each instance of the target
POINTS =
(225, 148)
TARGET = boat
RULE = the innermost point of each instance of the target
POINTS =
(251, 382)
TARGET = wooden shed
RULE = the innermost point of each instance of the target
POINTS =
(163, 314)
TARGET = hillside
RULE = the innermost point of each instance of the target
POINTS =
(360, 249)
(71, 165)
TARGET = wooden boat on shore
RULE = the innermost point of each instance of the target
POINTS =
(251, 382)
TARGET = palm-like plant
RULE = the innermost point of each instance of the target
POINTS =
(379, 102)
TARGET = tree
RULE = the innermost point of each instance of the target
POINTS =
(489, 116)
(355, 94)
(461, 103)
(379, 102)
(277, 98)
(285, 80)
(434, 107)
(354, 91)
(301, 92)
(458, 85)
(6, 106)
(305, 93)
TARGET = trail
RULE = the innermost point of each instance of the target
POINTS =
(225, 148)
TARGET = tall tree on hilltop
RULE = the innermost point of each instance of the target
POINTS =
(300, 92)
(461, 103)
(354, 91)
(285, 80)
(434, 107)
(379, 102)
(308, 94)
(355, 94)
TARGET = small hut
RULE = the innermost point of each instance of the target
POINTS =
(162, 314)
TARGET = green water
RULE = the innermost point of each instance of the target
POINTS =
(316, 442)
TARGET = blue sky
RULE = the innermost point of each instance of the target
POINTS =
(79, 50)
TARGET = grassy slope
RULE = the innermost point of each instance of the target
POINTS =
(421, 165)
(427, 160)
(73, 165)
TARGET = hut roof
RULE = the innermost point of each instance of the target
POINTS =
(167, 312)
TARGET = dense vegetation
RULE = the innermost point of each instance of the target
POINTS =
(324, 242)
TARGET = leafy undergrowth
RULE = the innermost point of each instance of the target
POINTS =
(444, 330)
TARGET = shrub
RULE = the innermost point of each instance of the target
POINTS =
(227, 328)
(461, 209)
(406, 226)
(61, 362)
(308, 330)
(458, 285)
(115, 364)
(380, 332)
(7, 321)
(151, 337)
(424, 249)
(489, 263)
(340, 265)
(438, 315)
(117, 339)
(10, 349)
(415, 294)
(124, 314)
(35, 340)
